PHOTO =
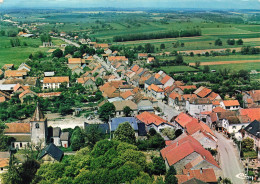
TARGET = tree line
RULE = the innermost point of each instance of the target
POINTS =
(159, 35)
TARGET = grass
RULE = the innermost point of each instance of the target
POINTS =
(237, 67)
(178, 69)
(66, 149)
(250, 154)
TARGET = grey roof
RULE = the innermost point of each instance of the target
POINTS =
(7, 87)
(141, 129)
(104, 128)
(111, 100)
(56, 132)
(145, 108)
(49, 74)
(153, 80)
(64, 136)
(254, 128)
(53, 151)
(115, 122)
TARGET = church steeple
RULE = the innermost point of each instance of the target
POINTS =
(38, 114)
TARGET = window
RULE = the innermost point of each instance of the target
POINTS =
(37, 125)
(21, 145)
(2, 169)
(234, 127)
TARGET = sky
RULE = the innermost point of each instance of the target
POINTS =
(212, 4)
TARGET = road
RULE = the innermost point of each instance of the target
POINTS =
(229, 159)
(69, 42)
(168, 111)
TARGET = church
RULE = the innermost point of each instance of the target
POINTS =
(33, 133)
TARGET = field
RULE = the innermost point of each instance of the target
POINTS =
(17, 55)
(178, 69)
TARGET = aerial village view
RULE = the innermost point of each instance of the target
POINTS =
(129, 92)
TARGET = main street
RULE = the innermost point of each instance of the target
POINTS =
(168, 111)
(229, 159)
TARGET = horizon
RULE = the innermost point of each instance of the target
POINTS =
(134, 4)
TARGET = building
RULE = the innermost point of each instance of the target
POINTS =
(55, 82)
(64, 138)
(25, 67)
(142, 55)
(197, 105)
(115, 122)
(253, 131)
(120, 105)
(16, 74)
(230, 104)
(75, 62)
(51, 154)
(4, 161)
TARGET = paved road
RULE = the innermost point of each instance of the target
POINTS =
(168, 111)
(229, 159)
(69, 42)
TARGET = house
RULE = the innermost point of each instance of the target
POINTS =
(77, 70)
(202, 92)
(121, 59)
(155, 92)
(115, 122)
(62, 34)
(230, 104)
(47, 44)
(75, 62)
(51, 154)
(150, 60)
(27, 94)
(188, 153)
(25, 67)
(253, 131)
(194, 181)
(142, 55)
(55, 82)
(205, 175)
(108, 51)
(18, 74)
(143, 103)
(4, 96)
(101, 46)
(8, 67)
(181, 89)
(64, 138)
(179, 101)
(252, 114)
(119, 105)
(103, 128)
(18, 88)
(128, 95)
(49, 95)
(88, 82)
(153, 121)
(197, 105)
(4, 162)
(28, 81)
(56, 133)
(252, 98)
(152, 80)
(49, 74)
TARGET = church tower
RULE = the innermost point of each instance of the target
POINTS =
(39, 130)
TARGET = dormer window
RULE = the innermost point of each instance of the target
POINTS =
(37, 125)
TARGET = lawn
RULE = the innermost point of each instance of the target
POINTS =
(237, 67)
(178, 69)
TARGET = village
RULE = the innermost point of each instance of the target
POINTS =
(75, 95)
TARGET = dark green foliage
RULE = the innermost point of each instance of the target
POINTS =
(147, 36)
(159, 167)
(99, 82)
(45, 38)
(247, 144)
(57, 53)
(15, 42)
(248, 50)
(154, 141)
(5, 140)
(240, 42)
(77, 139)
(162, 46)
(127, 111)
(93, 134)
(125, 133)
(218, 42)
(170, 177)
(206, 69)
(231, 42)
(106, 111)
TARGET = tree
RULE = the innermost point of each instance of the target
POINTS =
(231, 42)
(191, 54)
(206, 69)
(247, 144)
(93, 135)
(125, 133)
(158, 166)
(57, 53)
(170, 177)
(169, 132)
(45, 38)
(218, 42)
(107, 111)
(240, 42)
(127, 111)
(197, 64)
(179, 59)
(162, 46)
(207, 54)
(99, 82)
(77, 139)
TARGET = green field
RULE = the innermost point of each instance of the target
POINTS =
(236, 67)
(17, 55)
(177, 69)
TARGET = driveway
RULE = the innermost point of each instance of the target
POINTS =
(229, 159)
(168, 111)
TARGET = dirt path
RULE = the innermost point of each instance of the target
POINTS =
(226, 62)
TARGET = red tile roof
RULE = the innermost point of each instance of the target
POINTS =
(15, 73)
(74, 61)
(229, 103)
(117, 58)
(149, 118)
(213, 96)
(28, 91)
(253, 114)
(206, 175)
(187, 87)
(204, 92)
(181, 149)
(183, 119)
(175, 95)
(218, 109)
(155, 88)
(2, 99)
(135, 68)
(126, 94)
(47, 95)
(142, 54)
(165, 79)
(47, 80)
(4, 162)
(18, 128)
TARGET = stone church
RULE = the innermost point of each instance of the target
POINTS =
(33, 133)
